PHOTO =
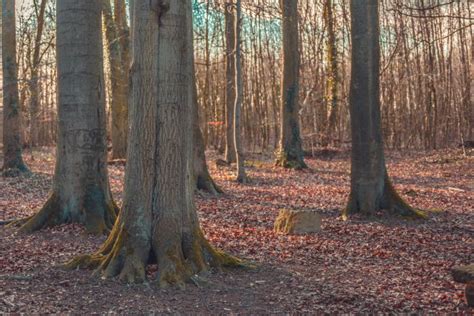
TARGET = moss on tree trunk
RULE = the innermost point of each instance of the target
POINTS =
(371, 188)
(158, 222)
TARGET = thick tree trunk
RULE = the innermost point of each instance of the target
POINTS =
(12, 159)
(290, 152)
(80, 190)
(371, 189)
(158, 222)
(229, 155)
(119, 81)
(239, 96)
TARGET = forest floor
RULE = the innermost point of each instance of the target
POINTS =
(358, 266)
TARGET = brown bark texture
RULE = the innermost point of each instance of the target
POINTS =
(158, 222)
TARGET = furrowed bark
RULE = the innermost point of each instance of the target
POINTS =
(158, 222)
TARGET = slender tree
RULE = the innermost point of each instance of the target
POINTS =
(35, 111)
(229, 155)
(119, 60)
(371, 188)
(202, 178)
(332, 73)
(239, 95)
(158, 222)
(12, 158)
(81, 191)
(290, 152)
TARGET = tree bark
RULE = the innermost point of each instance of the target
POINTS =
(158, 222)
(332, 75)
(202, 178)
(290, 152)
(229, 155)
(12, 158)
(119, 63)
(35, 111)
(81, 191)
(371, 188)
(239, 95)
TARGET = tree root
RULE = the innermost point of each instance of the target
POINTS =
(52, 214)
(290, 161)
(206, 183)
(15, 222)
(397, 205)
(390, 200)
(120, 256)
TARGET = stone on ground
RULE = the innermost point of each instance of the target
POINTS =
(298, 222)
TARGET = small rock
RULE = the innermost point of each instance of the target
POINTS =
(298, 222)
(463, 274)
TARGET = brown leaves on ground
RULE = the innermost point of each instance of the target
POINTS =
(378, 265)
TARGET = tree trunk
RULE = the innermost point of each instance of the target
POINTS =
(35, 111)
(290, 152)
(332, 75)
(229, 155)
(12, 159)
(119, 82)
(371, 189)
(202, 179)
(81, 191)
(239, 95)
(158, 222)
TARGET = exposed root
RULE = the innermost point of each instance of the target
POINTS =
(206, 183)
(289, 161)
(15, 222)
(48, 216)
(390, 200)
(99, 218)
(397, 205)
(177, 264)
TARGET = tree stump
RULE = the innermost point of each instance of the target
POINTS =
(465, 274)
(298, 222)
